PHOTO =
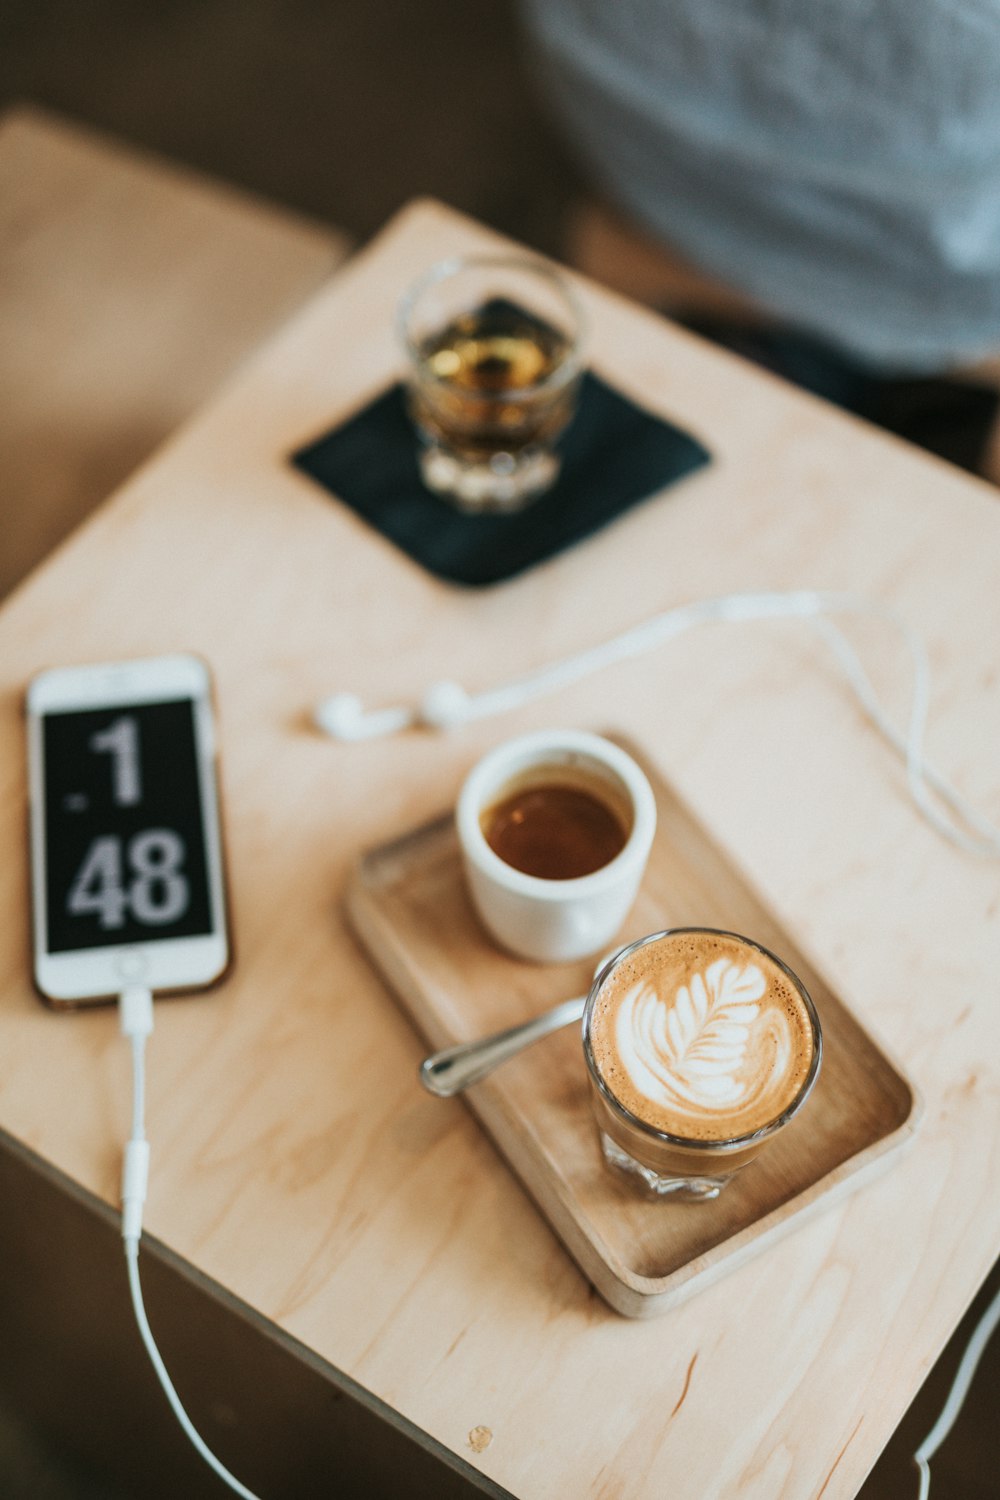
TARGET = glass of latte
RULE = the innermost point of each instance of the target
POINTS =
(701, 1046)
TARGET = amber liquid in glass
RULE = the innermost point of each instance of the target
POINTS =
(484, 385)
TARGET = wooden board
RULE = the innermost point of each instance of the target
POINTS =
(408, 902)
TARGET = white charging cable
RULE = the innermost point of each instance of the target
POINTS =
(135, 1009)
(959, 1390)
(446, 705)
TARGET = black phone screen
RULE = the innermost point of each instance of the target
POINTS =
(125, 851)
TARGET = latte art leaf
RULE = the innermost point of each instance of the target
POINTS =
(691, 1052)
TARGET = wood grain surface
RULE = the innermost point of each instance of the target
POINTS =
(409, 903)
(295, 1159)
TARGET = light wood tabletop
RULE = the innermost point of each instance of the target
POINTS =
(296, 1162)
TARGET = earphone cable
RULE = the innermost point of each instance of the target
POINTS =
(135, 1008)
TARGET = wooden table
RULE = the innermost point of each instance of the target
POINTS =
(297, 1164)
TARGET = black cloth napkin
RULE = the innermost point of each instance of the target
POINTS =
(951, 418)
(615, 454)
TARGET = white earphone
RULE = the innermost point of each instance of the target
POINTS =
(446, 705)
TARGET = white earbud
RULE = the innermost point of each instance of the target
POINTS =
(345, 717)
(445, 705)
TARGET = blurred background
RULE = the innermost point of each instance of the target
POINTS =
(343, 111)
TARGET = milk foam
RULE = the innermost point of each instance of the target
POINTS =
(709, 1039)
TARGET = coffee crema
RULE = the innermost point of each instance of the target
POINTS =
(702, 1035)
(556, 829)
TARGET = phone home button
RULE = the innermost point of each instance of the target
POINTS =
(132, 965)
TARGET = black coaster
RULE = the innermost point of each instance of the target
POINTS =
(614, 455)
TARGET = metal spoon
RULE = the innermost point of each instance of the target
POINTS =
(449, 1072)
(452, 1070)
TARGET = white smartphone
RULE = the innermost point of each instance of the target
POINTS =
(127, 868)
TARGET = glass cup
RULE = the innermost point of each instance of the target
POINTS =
(555, 830)
(701, 1046)
(494, 346)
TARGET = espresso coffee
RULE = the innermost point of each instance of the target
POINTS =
(702, 1035)
(555, 830)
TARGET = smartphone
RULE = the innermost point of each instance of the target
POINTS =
(126, 852)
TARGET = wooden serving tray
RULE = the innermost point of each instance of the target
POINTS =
(407, 902)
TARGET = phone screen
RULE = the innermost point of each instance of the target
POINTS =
(125, 850)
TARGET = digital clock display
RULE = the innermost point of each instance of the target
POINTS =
(126, 860)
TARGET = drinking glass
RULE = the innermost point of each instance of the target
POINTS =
(692, 1167)
(494, 350)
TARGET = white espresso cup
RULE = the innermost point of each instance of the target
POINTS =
(545, 918)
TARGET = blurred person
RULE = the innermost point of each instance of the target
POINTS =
(823, 181)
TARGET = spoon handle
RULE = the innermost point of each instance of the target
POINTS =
(449, 1072)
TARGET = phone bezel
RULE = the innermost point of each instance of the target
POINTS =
(93, 976)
